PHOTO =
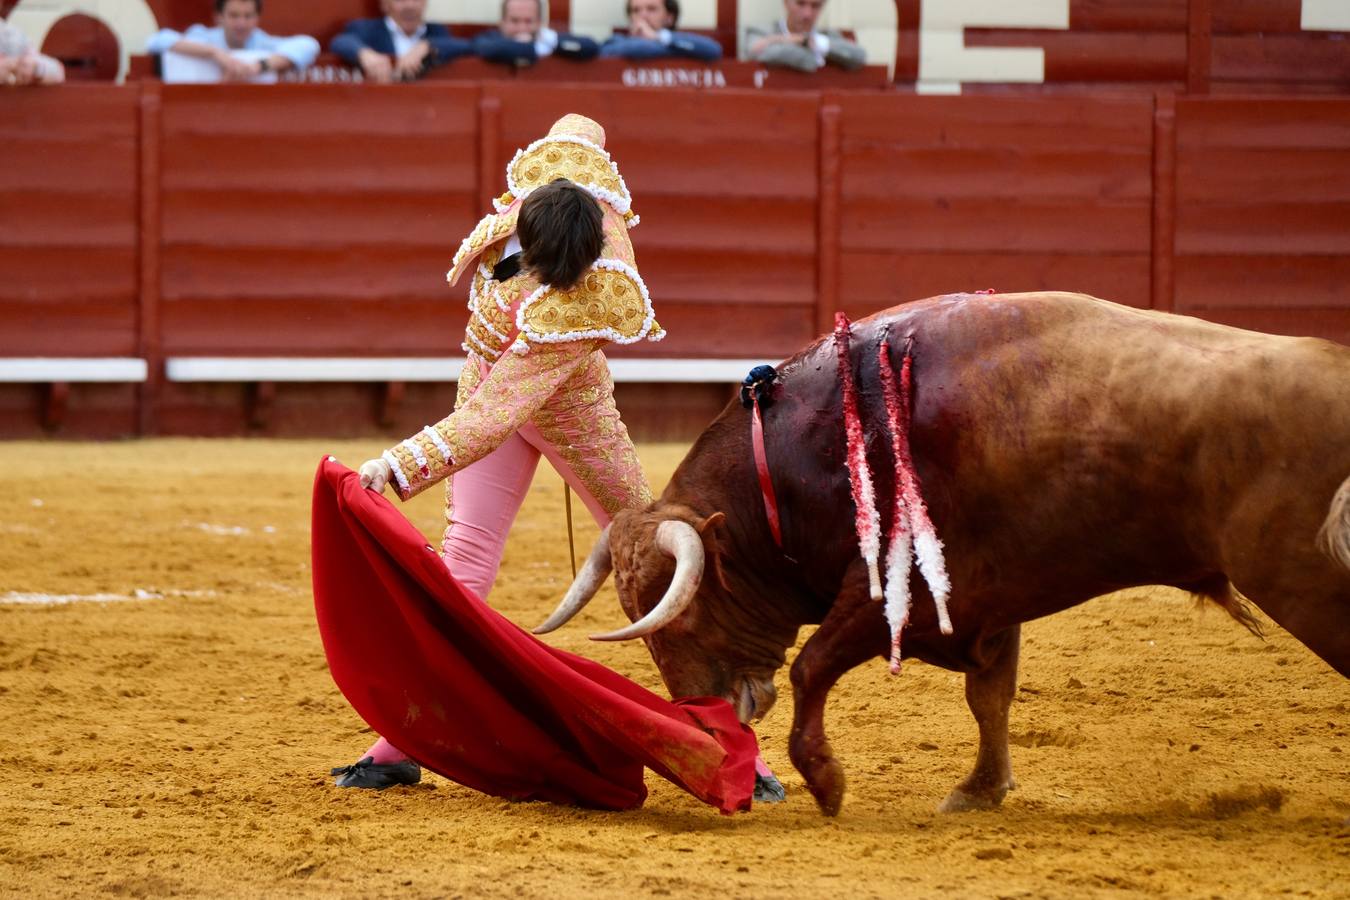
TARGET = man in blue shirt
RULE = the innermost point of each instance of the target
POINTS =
(651, 35)
(237, 30)
(522, 38)
(402, 46)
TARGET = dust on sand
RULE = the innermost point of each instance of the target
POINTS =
(179, 743)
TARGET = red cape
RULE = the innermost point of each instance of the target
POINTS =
(474, 698)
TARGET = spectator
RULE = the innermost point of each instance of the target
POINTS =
(241, 49)
(795, 42)
(522, 39)
(403, 46)
(20, 64)
(651, 35)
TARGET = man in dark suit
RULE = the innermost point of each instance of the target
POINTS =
(402, 46)
(522, 37)
(652, 35)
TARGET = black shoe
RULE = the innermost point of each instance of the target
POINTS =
(365, 774)
(769, 790)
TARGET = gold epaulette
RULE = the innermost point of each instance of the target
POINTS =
(575, 158)
(610, 303)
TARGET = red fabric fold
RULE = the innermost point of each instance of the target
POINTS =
(474, 698)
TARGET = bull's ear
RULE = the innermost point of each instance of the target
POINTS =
(712, 521)
(712, 550)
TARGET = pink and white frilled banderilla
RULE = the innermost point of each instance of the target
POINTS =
(911, 528)
(859, 475)
(912, 533)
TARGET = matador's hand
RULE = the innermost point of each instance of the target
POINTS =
(375, 474)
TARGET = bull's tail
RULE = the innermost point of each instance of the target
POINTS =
(1334, 536)
(1219, 590)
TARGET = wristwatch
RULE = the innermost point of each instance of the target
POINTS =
(264, 66)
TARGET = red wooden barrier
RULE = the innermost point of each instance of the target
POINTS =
(1263, 213)
(68, 238)
(1260, 45)
(157, 221)
(149, 328)
(946, 194)
(69, 199)
(319, 218)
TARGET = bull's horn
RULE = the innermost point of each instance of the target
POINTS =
(679, 540)
(587, 582)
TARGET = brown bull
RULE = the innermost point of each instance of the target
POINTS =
(1067, 447)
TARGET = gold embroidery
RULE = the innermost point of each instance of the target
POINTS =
(606, 303)
(561, 383)
(567, 392)
(490, 229)
(517, 388)
(573, 149)
(583, 424)
(493, 323)
(578, 163)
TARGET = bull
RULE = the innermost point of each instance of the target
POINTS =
(1067, 447)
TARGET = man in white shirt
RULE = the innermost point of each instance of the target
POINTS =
(402, 46)
(794, 41)
(21, 64)
(242, 50)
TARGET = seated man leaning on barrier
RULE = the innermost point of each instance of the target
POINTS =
(522, 38)
(652, 34)
(402, 46)
(21, 64)
(235, 50)
(795, 43)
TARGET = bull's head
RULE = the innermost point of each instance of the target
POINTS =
(667, 564)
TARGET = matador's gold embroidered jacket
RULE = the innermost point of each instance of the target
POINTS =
(534, 352)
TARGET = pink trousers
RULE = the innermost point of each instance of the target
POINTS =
(486, 496)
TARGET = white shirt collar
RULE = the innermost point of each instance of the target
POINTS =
(403, 42)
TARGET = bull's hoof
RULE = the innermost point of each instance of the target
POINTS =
(825, 780)
(960, 800)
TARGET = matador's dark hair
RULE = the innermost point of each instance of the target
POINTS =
(561, 231)
(257, 5)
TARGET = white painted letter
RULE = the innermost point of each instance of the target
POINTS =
(944, 59)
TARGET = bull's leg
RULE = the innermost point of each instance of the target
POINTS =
(853, 631)
(989, 694)
(1313, 611)
(1319, 625)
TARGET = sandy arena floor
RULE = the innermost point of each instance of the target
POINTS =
(176, 739)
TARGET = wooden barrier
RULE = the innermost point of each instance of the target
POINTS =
(1263, 213)
(320, 215)
(146, 222)
(68, 222)
(943, 194)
